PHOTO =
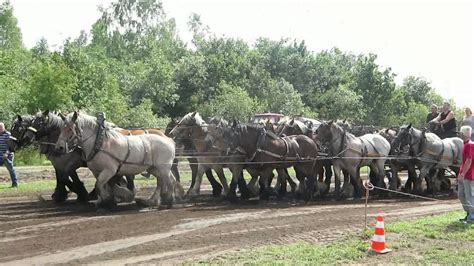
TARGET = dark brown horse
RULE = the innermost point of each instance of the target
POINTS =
(266, 152)
(296, 127)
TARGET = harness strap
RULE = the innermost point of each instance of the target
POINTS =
(287, 146)
(455, 158)
(126, 157)
(440, 156)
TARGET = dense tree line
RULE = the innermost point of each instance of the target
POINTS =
(133, 65)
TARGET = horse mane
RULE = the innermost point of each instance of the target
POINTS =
(199, 120)
(52, 119)
(304, 128)
(215, 120)
(259, 127)
(85, 120)
(25, 117)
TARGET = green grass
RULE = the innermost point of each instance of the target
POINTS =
(438, 239)
(298, 253)
(47, 185)
(444, 227)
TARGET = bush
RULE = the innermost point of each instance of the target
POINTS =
(30, 156)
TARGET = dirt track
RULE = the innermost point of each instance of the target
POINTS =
(35, 231)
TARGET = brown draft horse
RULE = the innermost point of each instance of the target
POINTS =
(268, 152)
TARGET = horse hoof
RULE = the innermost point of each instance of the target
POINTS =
(102, 211)
(82, 198)
(191, 193)
(167, 201)
(92, 196)
(141, 202)
(216, 192)
(245, 195)
(59, 197)
(232, 198)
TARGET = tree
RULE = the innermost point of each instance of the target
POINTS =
(141, 116)
(232, 103)
(416, 114)
(281, 97)
(340, 102)
(417, 89)
(376, 88)
(10, 34)
(51, 85)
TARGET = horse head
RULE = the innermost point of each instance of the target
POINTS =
(19, 128)
(187, 125)
(70, 135)
(404, 138)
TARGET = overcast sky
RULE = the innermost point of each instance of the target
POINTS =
(433, 39)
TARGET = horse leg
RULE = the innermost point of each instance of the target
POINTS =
(348, 186)
(423, 175)
(265, 188)
(174, 169)
(429, 180)
(244, 191)
(412, 175)
(122, 192)
(60, 192)
(79, 188)
(356, 182)
(252, 185)
(105, 196)
(292, 181)
(412, 179)
(337, 181)
(237, 180)
(283, 177)
(393, 182)
(328, 173)
(232, 194)
(220, 173)
(193, 164)
(195, 189)
(379, 171)
(216, 187)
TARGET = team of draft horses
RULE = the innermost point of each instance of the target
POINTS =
(316, 153)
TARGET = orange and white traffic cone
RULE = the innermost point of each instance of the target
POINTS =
(378, 240)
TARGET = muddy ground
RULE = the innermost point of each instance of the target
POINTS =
(37, 231)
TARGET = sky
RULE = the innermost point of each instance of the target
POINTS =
(431, 39)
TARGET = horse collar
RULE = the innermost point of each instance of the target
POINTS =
(99, 140)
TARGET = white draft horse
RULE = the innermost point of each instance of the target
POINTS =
(109, 153)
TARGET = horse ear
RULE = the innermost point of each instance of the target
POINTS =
(234, 123)
(344, 121)
(74, 117)
(386, 130)
(62, 116)
(46, 113)
(193, 114)
(19, 118)
(409, 126)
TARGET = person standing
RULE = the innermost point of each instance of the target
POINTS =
(447, 121)
(468, 120)
(466, 176)
(432, 115)
(6, 157)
